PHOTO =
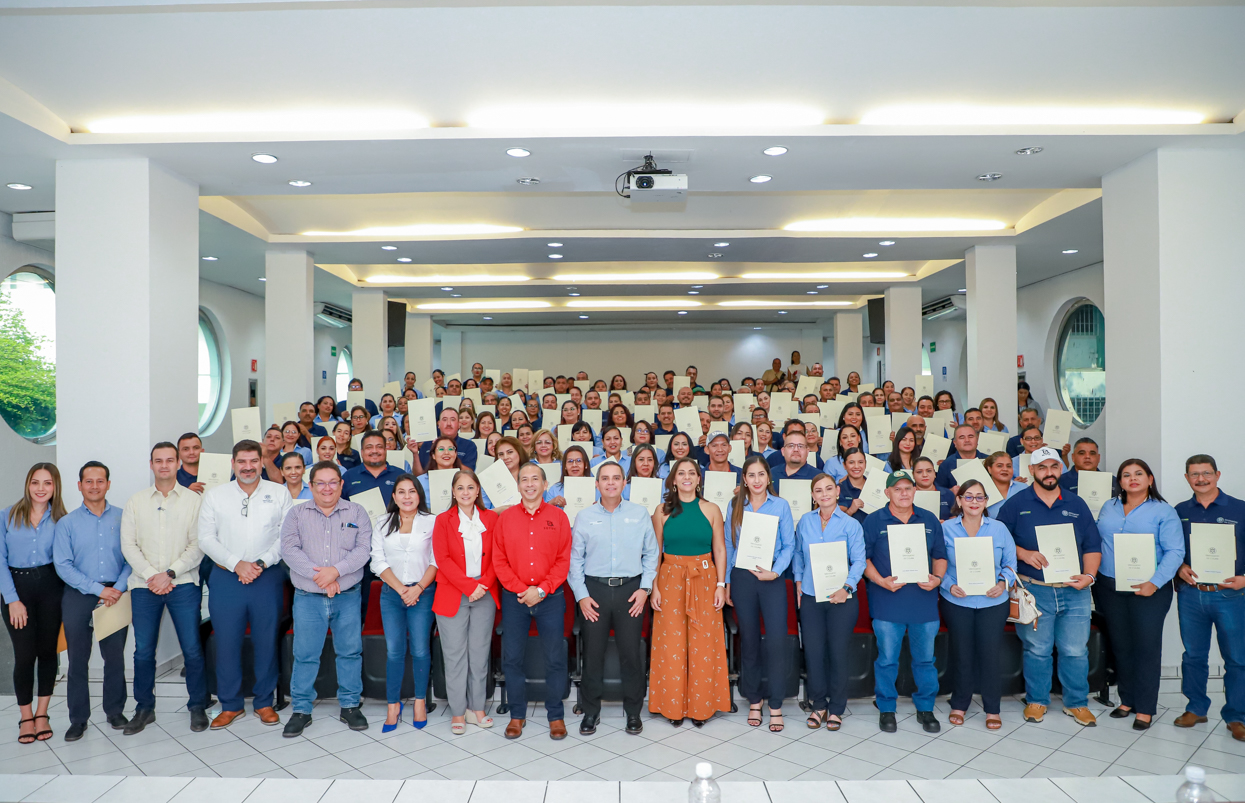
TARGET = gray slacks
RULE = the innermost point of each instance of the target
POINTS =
(466, 640)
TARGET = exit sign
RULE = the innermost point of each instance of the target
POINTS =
(332, 351)
(933, 347)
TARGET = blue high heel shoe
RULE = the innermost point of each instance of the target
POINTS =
(387, 728)
(419, 725)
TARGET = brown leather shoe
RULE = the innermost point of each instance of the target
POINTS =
(1238, 730)
(557, 729)
(1187, 720)
(268, 716)
(1034, 712)
(515, 729)
(225, 718)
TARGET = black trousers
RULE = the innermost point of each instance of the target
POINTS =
(612, 614)
(976, 638)
(79, 633)
(40, 590)
(754, 600)
(1135, 632)
(826, 629)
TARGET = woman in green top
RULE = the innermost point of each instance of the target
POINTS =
(688, 674)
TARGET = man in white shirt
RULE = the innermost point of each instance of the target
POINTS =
(240, 530)
(160, 541)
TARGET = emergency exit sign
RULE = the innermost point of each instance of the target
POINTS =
(332, 351)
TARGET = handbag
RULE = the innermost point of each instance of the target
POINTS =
(1022, 607)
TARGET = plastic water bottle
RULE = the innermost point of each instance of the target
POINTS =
(1193, 790)
(706, 790)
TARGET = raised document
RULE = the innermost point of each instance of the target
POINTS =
(580, 494)
(799, 495)
(757, 536)
(441, 489)
(829, 565)
(909, 553)
(646, 491)
(720, 488)
(499, 484)
(974, 565)
(1094, 488)
(1212, 551)
(1135, 560)
(1057, 543)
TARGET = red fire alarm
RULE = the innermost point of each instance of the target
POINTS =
(254, 366)
(1020, 361)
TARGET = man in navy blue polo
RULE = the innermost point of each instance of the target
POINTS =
(1202, 604)
(1065, 607)
(1028, 418)
(368, 404)
(373, 472)
(794, 464)
(899, 608)
(447, 426)
(965, 444)
(1085, 457)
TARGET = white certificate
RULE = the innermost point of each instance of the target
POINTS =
(1022, 469)
(682, 382)
(872, 411)
(356, 441)
(628, 399)
(606, 461)
(1212, 550)
(580, 494)
(662, 442)
(975, 469)
(355, 398)
(499, 484)
(935, 447)
(829, 565)
(1135, 560)
(898, 421)
(974, 565)
(1094, 487)
(429, 387)
(687, 419)
(1057, 543)
(246, 424)
(518, 378)
(867, 387)
(535, 380)
(780, 408)
(991, 442)
(583, 384)
(372, 501)
(808, 386)
(592, 418)
(392, 388)
(562, 398)
(744, 403)
(474, 395)
(646, 412)
(108, 619)
(701, 402)
(719, 426)
(646, 491)
(397, 458)
(626, 436)
(491, 409)
(829, 412)
(422, 417)
(564, 437)
(757, 535)
(494, 374)
(553, 472)
(923, 385)
(451, 402)
(480, 444)
(214, 469)
(909, 552)
(441, 489)
(929, 500)
(738, 454)
(1058, 428)
(873, 464)
(720, 488)
(873, 495)
(798, 494)
(285, 411)
(829, 444)
(879, 433)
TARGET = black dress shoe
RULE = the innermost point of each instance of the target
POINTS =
(700, 723)
(75, 731)
(928, 721)
(886, 722)
(296, 724)
(1141, 725)
(1121, 713)
(118, 721)
(198, 720)
(142, 718)
(634, 725)
(354, 719)
(677, 722)
(588, 725)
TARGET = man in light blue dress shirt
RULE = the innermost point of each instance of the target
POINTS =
(613, 565)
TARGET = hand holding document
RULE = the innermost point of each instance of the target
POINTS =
(974, 565)
(1058, 428)
(909, 552)
(246, 424)
(108, 619)
(214, 469)
(935, 447)
(646, 491)
(1057, 543)
(372, 501)
(829, 565)
(1212, 552)
(873, 495)
(580, 494)
(798, 494)
(1094, 487)
(687, 419)
(499, 484)
(757, 536)
(720, 488)
(1135, 560)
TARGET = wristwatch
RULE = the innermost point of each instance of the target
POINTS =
(850, 591)
(172, 574)
(541, 592)
(721, 585)
(261, 564)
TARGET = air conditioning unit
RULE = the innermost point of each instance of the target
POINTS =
(332, 315)
(944, 307)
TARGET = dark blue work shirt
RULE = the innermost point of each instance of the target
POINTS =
(466, 452)
(348, 460)
(910, 604)
(805, 472)
(185, 478)
(944, 479)
(848, 493)
(1025, 512)
(358, 480)
(368, 404)
(1224, 510)
(777, 461)
(1014, 447)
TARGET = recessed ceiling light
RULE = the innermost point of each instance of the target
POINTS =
(1070, 251)
(760, 179)
(613, 116)
(210, 259)
(300, 183)
(756, 328)
(990, 177)
(762, 302)
(480, 306)
(693, 292)
(527, 181)
(420, 230)
(623, 303)
(19, 186)
(447, 289)
(965, 114)
(389, 248)
(822, 286)
(887, 242)
(574, 295)
(782, 312)
(963, 289)
(634, 277)
(583, 317)
(810, 292)
(682, 312)
(555, 256)
(404, 259)
(697, 286)
(268, 122)
(488, 317)
(839, 274)
(518, 153)
(1031, 151)
(889, 224)
(720, 245)
(869, 255)
(264, 158)
(554, 245)
(262, 279)
(432, 278)
(777, 150)
(456, 295)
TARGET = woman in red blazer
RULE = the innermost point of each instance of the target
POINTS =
(462, 544)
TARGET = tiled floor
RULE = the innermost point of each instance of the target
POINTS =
(1057, 747)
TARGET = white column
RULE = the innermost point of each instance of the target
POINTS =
(903, 335)
(127, 303)
(369, 339)
(990, 275)
(849, 336)
(452, 351)
(810, 346)
(419, 345)
(289, 322)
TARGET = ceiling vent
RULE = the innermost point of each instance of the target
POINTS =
(332, 315)
(944, 307)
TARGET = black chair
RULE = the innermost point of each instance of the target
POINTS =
(612, 682)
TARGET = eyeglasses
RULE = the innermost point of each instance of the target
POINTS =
(1202, 475)
(973, 498)
(246, 501)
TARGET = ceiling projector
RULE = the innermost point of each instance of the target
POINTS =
(649, 183)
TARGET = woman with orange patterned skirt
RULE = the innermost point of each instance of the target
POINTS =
(688, 675)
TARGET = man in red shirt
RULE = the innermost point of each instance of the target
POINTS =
(532, 555)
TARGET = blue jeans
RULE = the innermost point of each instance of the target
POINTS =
(1063, 625)
(516, 619)
(889, 637)
(401, 621)
(314, 614)
(1198, 610)
(184, 603)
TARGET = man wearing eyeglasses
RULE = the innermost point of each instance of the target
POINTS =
(240, 530)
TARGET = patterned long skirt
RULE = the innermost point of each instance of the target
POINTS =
(688, 676)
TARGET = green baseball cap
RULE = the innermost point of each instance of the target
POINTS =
(899, 476)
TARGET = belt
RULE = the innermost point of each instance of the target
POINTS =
(47, 567)
(612, 581)
(1206, 586)
(1048, 585)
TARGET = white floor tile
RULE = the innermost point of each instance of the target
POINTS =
(17, 787)
(71, 789)
(1030, 790)
(442, 791)
(148, 790)
(949, 791)
(872, 791)
(575, 791)
(367, 791)
(507, 792)
(216, 790)
(1099, 790)
(803, 792)
(1158, 788)
(653, 792)
(276, 790)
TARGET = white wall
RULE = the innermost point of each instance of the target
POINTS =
(239, 321)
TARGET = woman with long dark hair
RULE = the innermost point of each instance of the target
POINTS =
(904, 450)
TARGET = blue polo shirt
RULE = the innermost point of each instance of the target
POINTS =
(358, 480)
(848, 493)
(185, 478)
(466, 452)
(806, 472)
(777, 461)
(1025, 512)
(910, 604)
(1014, 447)
(944, 479)
(1224, 510)
(368, 405)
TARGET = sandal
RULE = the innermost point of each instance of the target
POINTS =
(458, 728)
(754, 721)
(833, 722)
(44, 735)
(993, 722)
(956, 718)
(775, 727)
(25, 738)
(816, 720)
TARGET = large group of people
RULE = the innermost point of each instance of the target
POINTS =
(673, 501)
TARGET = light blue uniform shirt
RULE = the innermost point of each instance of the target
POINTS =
(834, 467)
(841, 527)
(784, 542)
(375, 422)
(23, 547)
(993, 510)
(618, 544)
(305, 493)
(1151, 516)
(87, 550)
(625, 460)
(1004, 559)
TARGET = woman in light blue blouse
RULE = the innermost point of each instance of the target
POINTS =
(643, 463)
(680, 446)
(990, 416)
(848, 438)
(827, 616)
(999, 467)
(975, 621)
(574, 464)
(292, 468)
(1134, 612)
(758, 593)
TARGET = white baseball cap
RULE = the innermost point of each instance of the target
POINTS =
(1044, 454)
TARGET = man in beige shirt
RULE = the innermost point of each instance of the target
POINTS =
(160, 541)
